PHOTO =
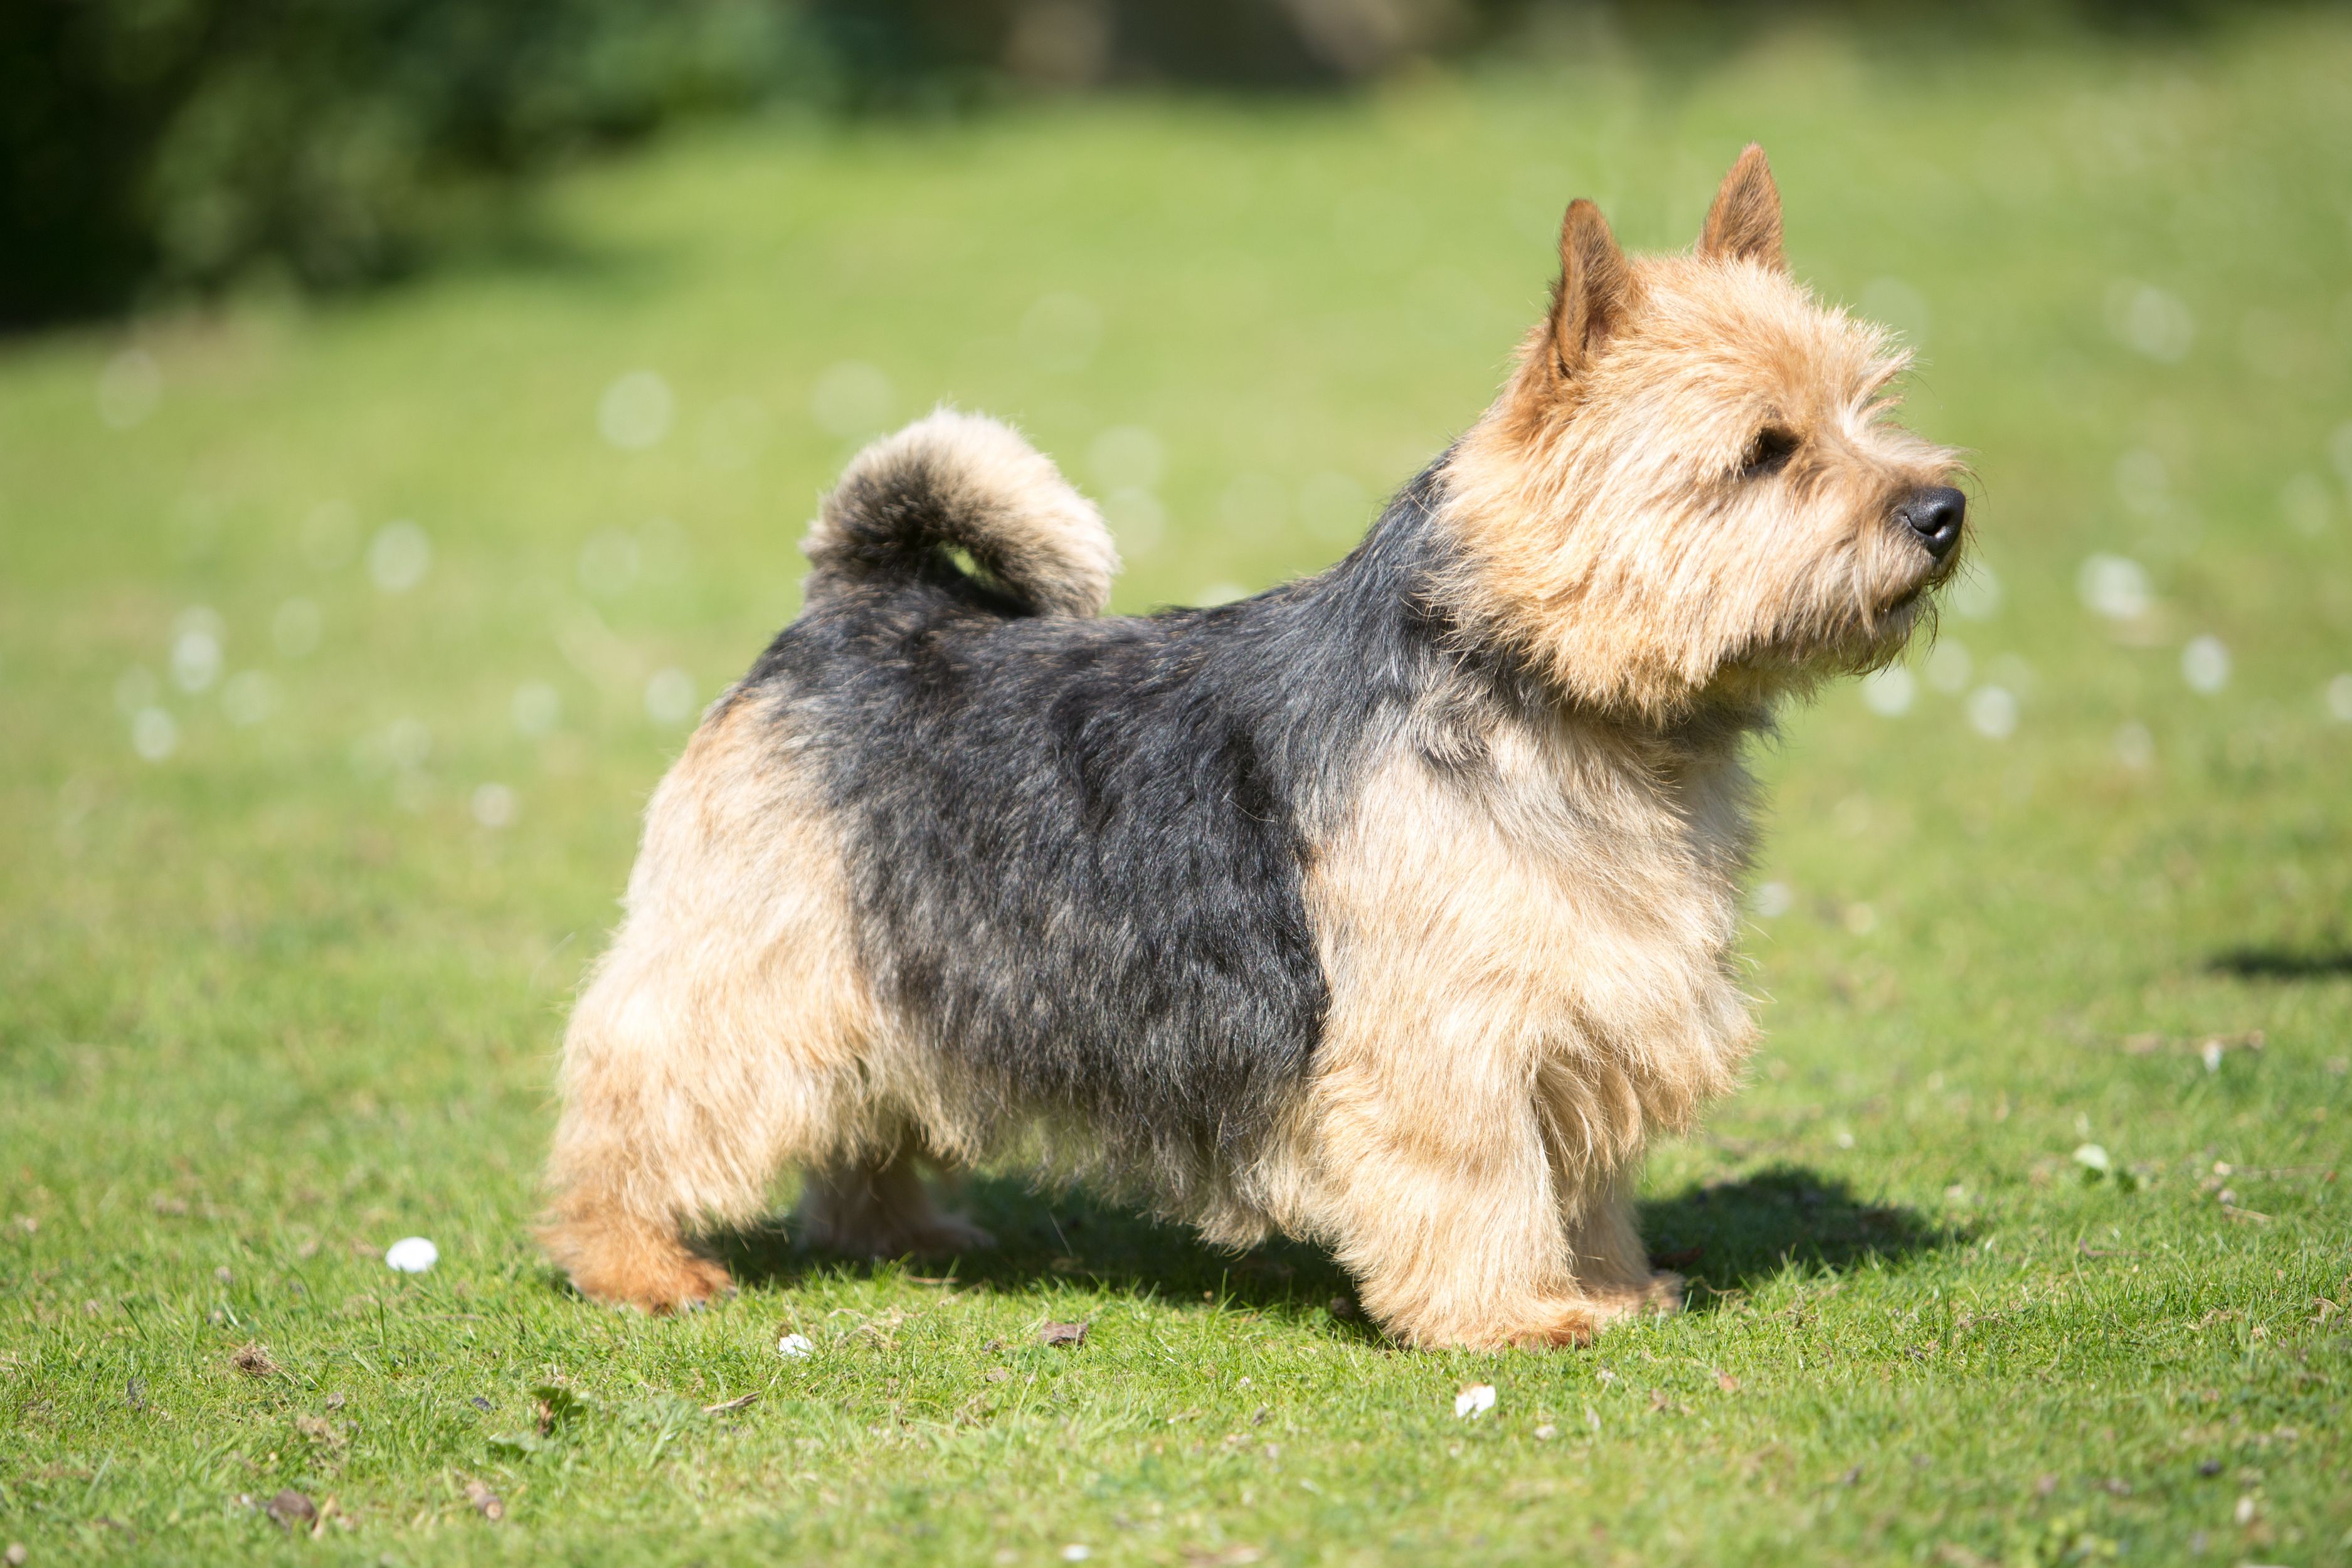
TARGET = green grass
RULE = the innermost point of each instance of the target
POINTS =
(277, 999)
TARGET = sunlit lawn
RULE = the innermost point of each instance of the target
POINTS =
(339, 646)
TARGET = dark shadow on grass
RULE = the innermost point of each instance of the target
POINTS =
(1730, 1236)
(2284, 963)
(1727, 1237)
(1045, 1238)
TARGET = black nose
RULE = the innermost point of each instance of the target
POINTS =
(1933, 516)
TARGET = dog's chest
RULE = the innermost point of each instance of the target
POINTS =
(1558, 895)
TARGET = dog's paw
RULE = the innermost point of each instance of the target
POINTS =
(655, 1274)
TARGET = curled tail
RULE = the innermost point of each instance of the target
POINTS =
(959, 481)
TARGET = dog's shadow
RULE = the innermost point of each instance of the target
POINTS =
(1726, 1238)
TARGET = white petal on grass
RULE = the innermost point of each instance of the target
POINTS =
(1076, 1552)
(196, 656)
(669, 697)
(1949, 665)
(794, 1347)
(153, 735)
(2211, 1056)
(2150, 320)
(399, 556)
(538, 708)
(411, 1254)
(405, 745)
(129, 387)
(1127, 456)
(1475, 1400)
(2205, 664)
(2115, 586)
(852, 400)
(1772, 900)
(1889, 692)
(296, 628)
(1976, 596)
(1062, 332)
(635, 411)
(2092, 1157)
(1992, 712)
(2134, 746)
(493, 805)
(249, 698)
(1137, 520)
(2339, 697)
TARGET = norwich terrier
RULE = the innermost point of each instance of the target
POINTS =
(1394, 910)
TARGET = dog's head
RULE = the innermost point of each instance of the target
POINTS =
(1694, 486)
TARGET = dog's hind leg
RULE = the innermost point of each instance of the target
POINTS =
(880, 1207)
(718, 1037)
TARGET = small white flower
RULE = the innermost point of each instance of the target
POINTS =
(1076, 1552)
(669, 697)
(2115, 586)
(412, 1255)
(1474, 1401)
(153, 735)
(795, 1347)
(494, 806)
(1889, 692)
(1993, 710)
(400, 556)
(635, 411)
(2205, 664)
(2092, 1157)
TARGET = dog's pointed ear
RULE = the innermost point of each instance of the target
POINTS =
(1744, 224)
(1595, 291)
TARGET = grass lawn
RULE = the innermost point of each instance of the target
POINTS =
(341, 645)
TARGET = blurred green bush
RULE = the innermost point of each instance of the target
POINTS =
(168, 145)
(155, 147)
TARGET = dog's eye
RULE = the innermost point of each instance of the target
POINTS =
(1769, 453)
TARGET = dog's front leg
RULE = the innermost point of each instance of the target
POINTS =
(1436, 1192)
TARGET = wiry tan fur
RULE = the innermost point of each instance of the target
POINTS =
(727, 1033)
(1526, 920)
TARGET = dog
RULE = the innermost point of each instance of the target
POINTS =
(1394, 910)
